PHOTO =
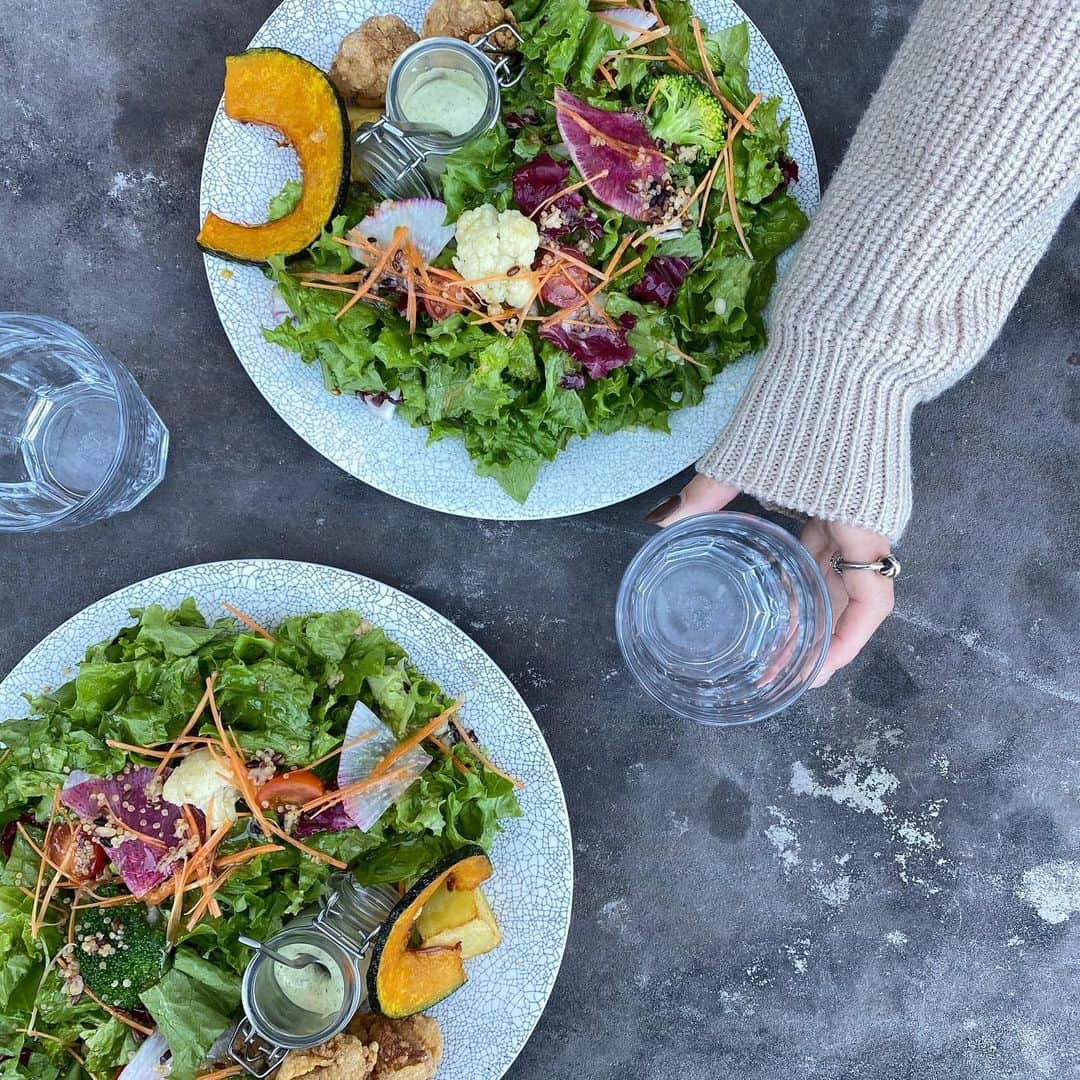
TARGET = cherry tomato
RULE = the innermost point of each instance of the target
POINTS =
(290, 789)
(74, 852)
(453, 298)
(566, 286)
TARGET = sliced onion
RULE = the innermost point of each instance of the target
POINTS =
(627, 22)
(359, 758)
(76, 776)
(279, 310)
(147, 1063)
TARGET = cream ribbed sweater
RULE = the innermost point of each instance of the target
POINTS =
(958, 175)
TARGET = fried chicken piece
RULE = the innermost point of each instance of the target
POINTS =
(468, 19)
(409, 1049)
(344, 1057)
(365, 57)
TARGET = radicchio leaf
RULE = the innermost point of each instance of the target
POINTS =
(789, 174)
(597, 347)
(661, 280)
(616, 144)
(538, 181)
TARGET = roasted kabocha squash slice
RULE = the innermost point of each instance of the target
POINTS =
(291, 95)
(403, 980)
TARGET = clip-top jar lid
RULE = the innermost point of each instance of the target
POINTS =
(399, 155)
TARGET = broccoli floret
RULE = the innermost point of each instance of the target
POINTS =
(685, 113)
(119, 953)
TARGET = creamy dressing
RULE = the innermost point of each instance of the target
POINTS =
(451, 98)
(313, 988)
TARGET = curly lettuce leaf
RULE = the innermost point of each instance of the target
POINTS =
(192, 1005)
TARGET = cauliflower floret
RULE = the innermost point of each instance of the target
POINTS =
(489, 243)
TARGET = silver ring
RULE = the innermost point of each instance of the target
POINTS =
(887, 566)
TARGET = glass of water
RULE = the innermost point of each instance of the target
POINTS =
(724, 618)
(78, 440)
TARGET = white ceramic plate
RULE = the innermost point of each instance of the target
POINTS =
(243, 169)
(487, 1022)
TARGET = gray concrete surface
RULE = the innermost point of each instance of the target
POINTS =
(883, 883)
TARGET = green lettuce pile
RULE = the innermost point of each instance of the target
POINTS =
(293, 696)
(507, 400)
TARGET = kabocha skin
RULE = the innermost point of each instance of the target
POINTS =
(291, 95)
(404, 981)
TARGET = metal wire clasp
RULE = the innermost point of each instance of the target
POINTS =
(509, 64)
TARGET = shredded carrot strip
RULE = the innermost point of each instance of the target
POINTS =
(416, 738)
(574, 261)
(129, 830)
(176, 912)
(447, 752)
(123, 1017)
(620, 145)
(710, 78)
(239, 857)
(249, 622)
(481, 756)
(117, 745)
(569, 190)
(41, 864)
(30, 1033)
(201, 907)
(378, 269)
(652, 97)
(717, 165)
(220, 1074)
(741, 121)
(324, 802)
(607, 76)
(30, 893)
(729, 169)
(71, 918)
(678, 352)
(195, 717)
(191, 821)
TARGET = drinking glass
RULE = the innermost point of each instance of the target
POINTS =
(78, 440)
(723, 618)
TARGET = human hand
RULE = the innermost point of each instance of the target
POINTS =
(861, 601)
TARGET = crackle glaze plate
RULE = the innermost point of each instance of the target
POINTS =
(487, 1022)
(243, 169)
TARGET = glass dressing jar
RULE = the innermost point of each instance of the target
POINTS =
(441, 92)
(276, 1019)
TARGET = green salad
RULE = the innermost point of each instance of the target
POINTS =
(131, 921)
(634, 196)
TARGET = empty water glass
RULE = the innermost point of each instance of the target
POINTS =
(78, 440)
(724, 618)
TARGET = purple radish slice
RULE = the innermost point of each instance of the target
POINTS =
(613, 152)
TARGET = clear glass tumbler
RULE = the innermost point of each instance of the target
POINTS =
(723, 618)
(78, 440)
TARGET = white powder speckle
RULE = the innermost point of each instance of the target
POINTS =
(896, 938)
(863, 793)
(123, 182)
(836, 892)
(1052, 889)
(798, 953)
(784, 839)
(615, 915)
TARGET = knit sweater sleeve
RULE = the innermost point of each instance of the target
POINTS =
(955, 181)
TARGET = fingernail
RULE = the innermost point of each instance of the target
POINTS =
(663, 510)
